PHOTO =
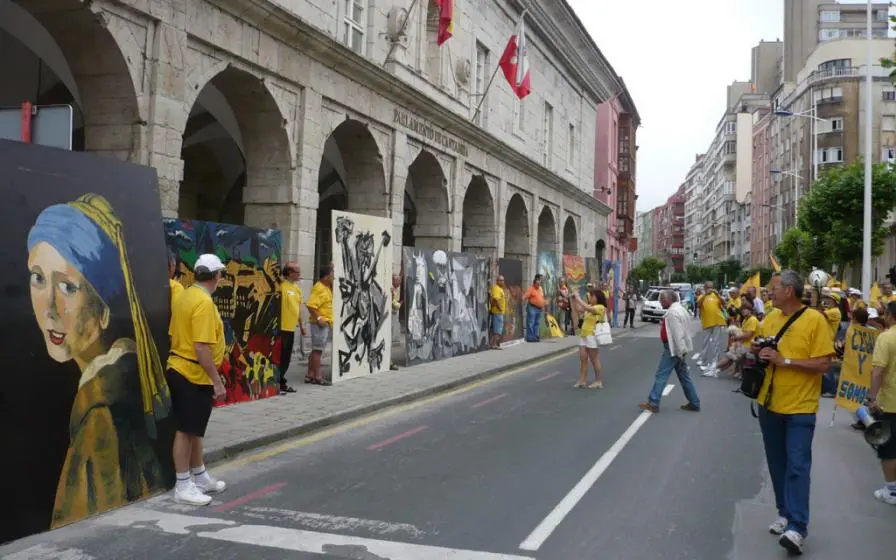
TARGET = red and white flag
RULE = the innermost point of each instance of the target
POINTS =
(515, 63)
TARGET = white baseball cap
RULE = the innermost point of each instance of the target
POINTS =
(872, 313)
(209, 262)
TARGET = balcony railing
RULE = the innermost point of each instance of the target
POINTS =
(818, 76)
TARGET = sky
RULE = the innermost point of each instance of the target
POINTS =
(676, 60)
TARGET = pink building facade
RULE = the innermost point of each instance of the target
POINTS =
(764, 214)
(614, 179)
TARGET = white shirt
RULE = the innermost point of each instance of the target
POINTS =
(678, 322)
(758, 306)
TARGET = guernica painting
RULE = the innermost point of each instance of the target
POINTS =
(447, 303)
(362, 295)
(247, 298)
(512, 271)
(85, 409)
(550, 268)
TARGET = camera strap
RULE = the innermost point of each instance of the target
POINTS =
(771, 380)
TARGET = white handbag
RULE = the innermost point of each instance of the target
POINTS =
(603, 334)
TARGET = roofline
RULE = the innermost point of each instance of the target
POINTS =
(628, 104)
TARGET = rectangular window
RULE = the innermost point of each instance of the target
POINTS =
(353, 26)
(835, 125)
(730, 127)
(730, 147)
(830, 93)
(829, 155)
(828, 34)
(888, 154)
(836, 64)
(882, 15)
(548, 130)
(888, 123)
(571, 147)
(830, 16)
(889, 96)
(480, 77)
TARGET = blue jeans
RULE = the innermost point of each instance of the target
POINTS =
(533, 323)
(788, 452)
(668, 362)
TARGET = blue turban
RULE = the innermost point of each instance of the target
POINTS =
(84, 245)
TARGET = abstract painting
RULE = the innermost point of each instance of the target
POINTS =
(85, 410)
(592, 271)
(362, 297)
(447, 302)
(574, 271)
(512, 271)
(550, 267)
(247, 298)
(611, 282)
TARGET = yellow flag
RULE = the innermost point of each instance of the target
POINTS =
(875, 295)
(776, 266)
(751, 281)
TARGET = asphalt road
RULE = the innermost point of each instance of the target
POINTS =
(522, 466)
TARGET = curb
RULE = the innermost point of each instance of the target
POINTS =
(231, 451)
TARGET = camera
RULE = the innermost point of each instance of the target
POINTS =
(752, 358)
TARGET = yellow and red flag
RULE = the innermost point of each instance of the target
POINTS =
(446, 20)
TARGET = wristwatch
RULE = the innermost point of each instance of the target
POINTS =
(787, 361)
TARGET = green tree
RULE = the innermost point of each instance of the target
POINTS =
(831, 214)
(728, 271)
(648, 270)
(678, 277)
(794, 249)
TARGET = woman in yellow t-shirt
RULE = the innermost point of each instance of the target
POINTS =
(595, 312)
(740, 344)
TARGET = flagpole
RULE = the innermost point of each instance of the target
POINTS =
(495, 73)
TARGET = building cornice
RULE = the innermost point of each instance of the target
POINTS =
(311, 41)
(628, 104)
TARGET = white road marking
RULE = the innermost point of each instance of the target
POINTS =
(550, 523)
(614, 347)
(49, 552)
(321, 522)
(288, 539)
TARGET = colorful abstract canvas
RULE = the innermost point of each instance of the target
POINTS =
(247, 298)
(512, 271)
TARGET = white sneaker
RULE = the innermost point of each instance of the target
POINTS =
(209, 484)
(884, 495)
(190, 494)
(792, 541)
(710, 372)
(696, 357)
(779, 526)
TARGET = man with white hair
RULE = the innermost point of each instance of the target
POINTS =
(675, 333)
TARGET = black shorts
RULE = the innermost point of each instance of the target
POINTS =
(192, 404)
(887, 451)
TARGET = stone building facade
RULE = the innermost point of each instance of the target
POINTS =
(273, 113)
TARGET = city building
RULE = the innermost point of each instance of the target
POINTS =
(765, 215)
(273, 114)
(822, 115)
(694, 190)
(644, 233)
(668, 233)
(807, 23)
(614, 177)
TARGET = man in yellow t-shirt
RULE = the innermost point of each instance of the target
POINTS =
(831, 301)
(882, 402)
(197, 351)
(497, 307)
(715, 335)
(320, 312)
(291, 297)
(788, 403)
(174, 287)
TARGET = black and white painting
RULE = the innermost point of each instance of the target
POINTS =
(446, 296)
(362, 285)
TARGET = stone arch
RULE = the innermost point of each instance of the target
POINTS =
(599, 253)
(516, 234)
(351, 178)
(570, 237)
(235, 148)
(478, 219)
(66, 52)
(427, 217)
(546, 241)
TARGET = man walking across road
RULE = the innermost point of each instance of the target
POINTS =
(197, 349)
(631, 301)
(788, 402)
(715, 335)
(676, 337)
(290, 317)
(534, 298)
(882, 402)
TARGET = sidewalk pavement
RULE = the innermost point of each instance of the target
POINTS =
(241, 427)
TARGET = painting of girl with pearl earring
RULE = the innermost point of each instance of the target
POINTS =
(88, 315)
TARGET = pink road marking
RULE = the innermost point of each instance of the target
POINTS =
(489, 401)
(548, 376)
(261, 493)
(399, 437)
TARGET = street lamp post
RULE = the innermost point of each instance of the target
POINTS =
(795, 177)
(869, 107)
(812, 115)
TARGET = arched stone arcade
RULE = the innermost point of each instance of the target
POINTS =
(427, 211)
(570, 237)
(547, 231)
(478, 229)
(516, 234)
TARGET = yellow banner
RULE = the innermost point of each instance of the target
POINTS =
(775, 265)
(855, 376)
